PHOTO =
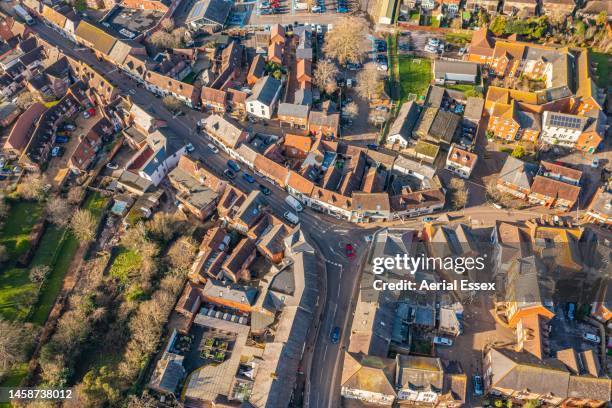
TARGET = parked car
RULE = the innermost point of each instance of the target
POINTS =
(595, 163)
(478, 385)
(233, 165)
(294, 203)
(571, 311)
(265, 190)
(591, 337)
(248, 178)
(189, 148)
(56, 151)
(372, 146)
(334, 336)
(442, 341)
(213, 148)
(112, 166)
(291, 217)
(69, 127)
(349, 250)
(61, 139)
(428, 219)
(229, 174)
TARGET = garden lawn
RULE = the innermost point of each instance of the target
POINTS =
(95, 203)
(16, 293)
(471, 89)
(65, 246)
(22, 217)
(459, 39)
(603, 68)
(126, 262)
(415, 75)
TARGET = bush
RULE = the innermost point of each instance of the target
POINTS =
(518, 152)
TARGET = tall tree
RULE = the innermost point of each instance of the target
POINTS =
(369, 82)
(83, 225)
(325, 75)
(347, 41)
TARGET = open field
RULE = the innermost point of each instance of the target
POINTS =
(415, 75)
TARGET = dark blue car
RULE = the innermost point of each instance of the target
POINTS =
(335, 335)
(478, 385)
(233, 165)
(248, 177)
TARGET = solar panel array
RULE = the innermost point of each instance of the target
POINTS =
(565, 121)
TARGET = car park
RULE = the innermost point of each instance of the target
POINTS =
(591, 337)
(442, 341)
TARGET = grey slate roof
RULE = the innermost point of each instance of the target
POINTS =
(518, 172)
(215, 11)
(406, 119)
(303, 97)
(291, 109)
(473, 108)
(264, 90)
(441, 68)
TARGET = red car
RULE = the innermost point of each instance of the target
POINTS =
(350, 251)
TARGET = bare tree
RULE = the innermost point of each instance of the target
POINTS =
(38, 273)
(163, 226)
(167, 25)
(172, 103)
(325, 76)
(24, 100)
(459, 193)
(58, 211)
(351, 110)
(83, 225)
(161, 39)
(31, 188)
(182, 252)
(75, 195)
(369, 82)
(144, 401)
(11, 345)
(347, 41)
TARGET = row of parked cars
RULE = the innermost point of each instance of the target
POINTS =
(434, 46)
(270, 7)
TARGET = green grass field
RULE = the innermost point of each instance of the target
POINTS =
(458, 39)
(65, 246)
(17, 227)
(95, 203)
(603, 68)
(125, 264)
(415, 75)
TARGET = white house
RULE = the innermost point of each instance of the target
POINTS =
(400, 132)
(263, 100)
(561, 128)
(460, 161)
(154, 160)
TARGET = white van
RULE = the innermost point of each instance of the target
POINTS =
(294, 203)
(291, 217)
